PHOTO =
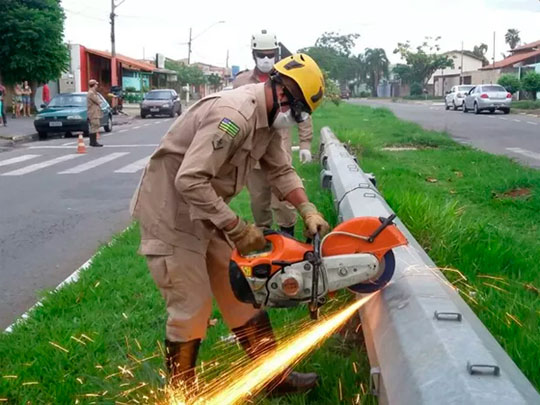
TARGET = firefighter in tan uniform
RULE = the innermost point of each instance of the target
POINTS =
(265, 50)
(93, 103)
(187, 228)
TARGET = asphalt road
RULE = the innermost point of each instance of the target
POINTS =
(57, 207)
(513, 135)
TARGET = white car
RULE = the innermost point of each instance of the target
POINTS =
(454, 98)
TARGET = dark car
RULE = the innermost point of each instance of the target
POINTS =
(161, 102)
(67, 113)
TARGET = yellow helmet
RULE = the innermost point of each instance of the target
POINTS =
(306, 74)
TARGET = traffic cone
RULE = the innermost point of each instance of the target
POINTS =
(81, 148)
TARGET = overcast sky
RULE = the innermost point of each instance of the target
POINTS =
(146, 26)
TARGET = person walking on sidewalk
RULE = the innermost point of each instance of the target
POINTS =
(187, 228)
(17, 101)
(265, 51)
(93, 103)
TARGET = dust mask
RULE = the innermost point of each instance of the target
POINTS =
(284, 120)
(265, 64)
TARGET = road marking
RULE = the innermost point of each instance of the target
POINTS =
(134, 167)
(70, 143)
(137, 127)
(42, 165)
(153, 145)
(504, 119)
(156, 122)
(525, 152)
(516, 120)
(18, 159)
(93, 163)
(532, 123)
(146, 125)
(489, 116)
(123, 130)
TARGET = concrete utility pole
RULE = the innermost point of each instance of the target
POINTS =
(493, 48)
(191, 39)
(461, 74)
(114, 73)
(189, 47)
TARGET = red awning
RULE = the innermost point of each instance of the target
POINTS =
(127, 62)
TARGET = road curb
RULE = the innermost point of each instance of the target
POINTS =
(74, 277)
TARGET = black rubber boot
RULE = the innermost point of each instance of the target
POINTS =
(256, 337)
(180, 361)
(289, 230)
(93, 140)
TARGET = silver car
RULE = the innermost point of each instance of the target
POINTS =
(489, 97)
(454, 98)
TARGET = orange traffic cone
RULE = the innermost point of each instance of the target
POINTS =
(81, 148)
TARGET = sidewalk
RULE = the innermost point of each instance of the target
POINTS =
(22, 129)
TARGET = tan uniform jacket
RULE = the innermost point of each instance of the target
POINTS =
(202, 163)
(305, 129)
(93, 104)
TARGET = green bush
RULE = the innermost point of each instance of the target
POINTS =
(510, 82)
(531, 83)
(416, 89)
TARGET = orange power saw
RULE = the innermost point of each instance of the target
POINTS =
(357, 255)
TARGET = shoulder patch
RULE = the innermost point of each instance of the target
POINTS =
(229, 127)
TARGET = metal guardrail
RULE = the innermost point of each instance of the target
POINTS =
(425, 345)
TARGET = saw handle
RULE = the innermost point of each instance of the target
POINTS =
(384, 223)
(316, 264)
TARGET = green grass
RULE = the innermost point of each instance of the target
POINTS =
(526, 104)
(454, 199)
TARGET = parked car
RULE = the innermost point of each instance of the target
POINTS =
(345, 94)
(454, 98)
(489, 97)
(67, 113)
(161, 102)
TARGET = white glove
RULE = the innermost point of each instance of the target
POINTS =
(305, 155)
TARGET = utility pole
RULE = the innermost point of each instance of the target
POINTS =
(227, 61)
(114, 73)
(189, 47)
(461, 74)
(493, 48)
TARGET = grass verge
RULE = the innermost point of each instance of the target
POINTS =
(526, 104)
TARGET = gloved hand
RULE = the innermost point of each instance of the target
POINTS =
(246, 237)
(313, 220)
(305, 156)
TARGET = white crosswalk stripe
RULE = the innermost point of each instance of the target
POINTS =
(17, 159)
(42, 165)
(134, 167)
(94, 163)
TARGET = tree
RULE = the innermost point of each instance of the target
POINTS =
(512, 37)
(480, 51)
(214, 80)
(32, 45)
(510, 82)
(421, 62)
(342, 44)
(187, 74)
(531, 83)
(376, 66)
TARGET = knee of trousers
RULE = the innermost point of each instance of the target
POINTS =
(185, 324)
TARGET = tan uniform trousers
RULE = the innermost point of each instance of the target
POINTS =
(187, 280)
(264, 202)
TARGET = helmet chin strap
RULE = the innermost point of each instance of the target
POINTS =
(275, 106)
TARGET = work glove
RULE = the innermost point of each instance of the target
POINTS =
(246, 237)
(313, 220)
(305, 156)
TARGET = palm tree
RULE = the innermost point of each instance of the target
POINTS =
(376, 65)
(512, 37)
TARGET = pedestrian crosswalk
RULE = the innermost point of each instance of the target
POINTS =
(84, 162)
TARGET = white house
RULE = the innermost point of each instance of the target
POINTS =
(443, 79)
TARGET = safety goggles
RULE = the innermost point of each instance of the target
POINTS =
(265, 54)
(300, 111)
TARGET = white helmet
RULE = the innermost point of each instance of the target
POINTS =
(264, 41)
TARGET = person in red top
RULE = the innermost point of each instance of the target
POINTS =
(46, 94)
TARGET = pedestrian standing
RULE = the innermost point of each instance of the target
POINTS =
(3, 101)
(93, 103)
(264, 203)
(27, 99)
(18, 101)
(187, 228)
(45, 94)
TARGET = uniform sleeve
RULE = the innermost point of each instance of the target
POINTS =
(95, 99)
(280, 173)
(210, 149)
(305, 133)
